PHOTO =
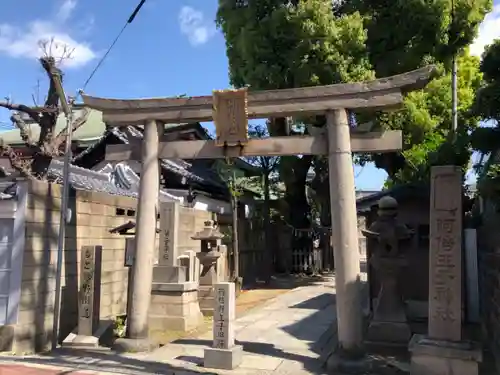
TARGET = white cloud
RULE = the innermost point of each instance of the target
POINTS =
(488, 31)
(66, 10)
(24, 42)
(194, 25)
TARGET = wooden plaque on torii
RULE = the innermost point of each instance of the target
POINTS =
(230, 114)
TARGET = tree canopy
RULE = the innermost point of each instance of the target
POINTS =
(487, 101)
(274, 44)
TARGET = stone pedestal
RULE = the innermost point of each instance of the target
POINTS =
(224, 354)
(174, 306)
(170, 274)
(189, 260)
(438, 357)
(224, 359)
(389, 325)
(208, 279)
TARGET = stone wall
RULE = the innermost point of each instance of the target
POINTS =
(190, 221)
(93, 215)
(488, 237)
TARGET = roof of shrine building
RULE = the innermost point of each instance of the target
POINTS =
(121, 178)
(115, 180)
(129, 134)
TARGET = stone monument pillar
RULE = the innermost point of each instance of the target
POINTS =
(174, 296)
(224, 354)
(211, 251)
(389, 323)
(90, 328)
(168, 269)
(443, 351)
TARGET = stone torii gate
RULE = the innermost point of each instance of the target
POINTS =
(230, 110)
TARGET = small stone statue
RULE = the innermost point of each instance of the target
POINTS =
(389, 322)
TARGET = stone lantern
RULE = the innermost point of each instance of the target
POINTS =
(211, 257)
(389, 324)
(211, 251)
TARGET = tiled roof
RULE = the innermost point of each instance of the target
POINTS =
(118, 181)
(180, 167)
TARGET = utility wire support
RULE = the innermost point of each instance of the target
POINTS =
(56, 78)
(454, 95)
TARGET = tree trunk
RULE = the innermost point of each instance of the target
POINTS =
(293, 173)
(236, 250)
(270, 249)
(298, 216)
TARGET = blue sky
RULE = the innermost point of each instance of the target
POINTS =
(171, 48)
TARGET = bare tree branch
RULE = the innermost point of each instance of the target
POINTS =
(24, 129)
(48, 121)
(23, 166)
(61, 137)
(47, 146)
(33, 112)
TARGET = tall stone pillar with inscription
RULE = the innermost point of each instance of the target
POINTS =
(389, 324)
(443, 351)
(224, 354)
(168, 269)
(89, 328)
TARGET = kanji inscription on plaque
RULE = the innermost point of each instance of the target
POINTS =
(230, 117)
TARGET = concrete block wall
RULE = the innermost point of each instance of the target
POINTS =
(92, 216)
(488, 238)
(190, 222)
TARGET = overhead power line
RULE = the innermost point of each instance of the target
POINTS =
(129, 21)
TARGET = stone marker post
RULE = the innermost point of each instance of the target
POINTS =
(445, 255)
(443, 352)
(169, 228)
(192, 263)
(129, 262)
(89, 328)
(90, 290)
(224, 354)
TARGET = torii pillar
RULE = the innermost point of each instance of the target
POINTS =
(137, 337)
(344, 233)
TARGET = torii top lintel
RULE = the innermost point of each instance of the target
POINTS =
(380, 94)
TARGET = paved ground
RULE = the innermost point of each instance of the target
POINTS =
(283, 336)
(13, 369)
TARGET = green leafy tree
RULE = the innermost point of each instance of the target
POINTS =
(284, 44)
(487, 102)
(421, 32)
(426, 33)
(274, 44)
(426, 120)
